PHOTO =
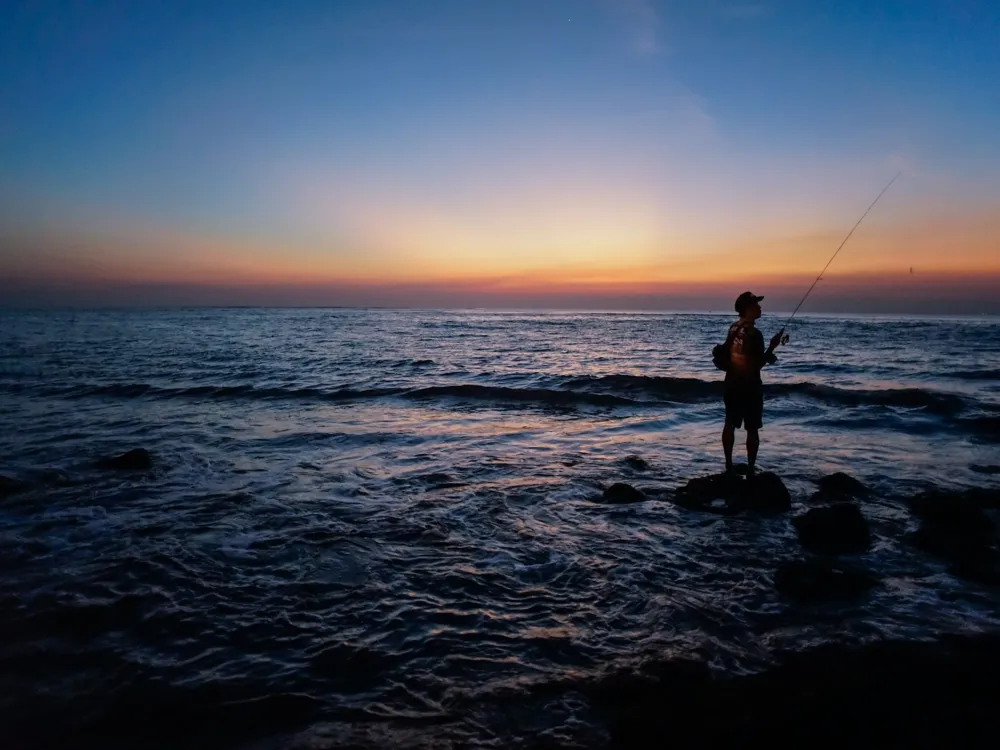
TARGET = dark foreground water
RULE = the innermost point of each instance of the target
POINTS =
(383, 524)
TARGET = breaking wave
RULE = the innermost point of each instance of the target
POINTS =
(611, 391)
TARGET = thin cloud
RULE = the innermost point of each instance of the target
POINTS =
(644, 24)
(694, 116)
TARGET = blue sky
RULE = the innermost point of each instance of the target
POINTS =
(416, 141)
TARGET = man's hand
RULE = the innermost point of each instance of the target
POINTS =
(776, 340)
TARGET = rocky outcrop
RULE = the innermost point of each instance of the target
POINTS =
(838, 487)
(766, 492)
(700, 492)
(955, 527)
(762, 492)
(636, 462)
(621, 494)
(833, 530)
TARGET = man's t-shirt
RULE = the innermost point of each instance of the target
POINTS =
(746, 354)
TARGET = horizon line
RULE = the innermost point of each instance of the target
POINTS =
(421, 308)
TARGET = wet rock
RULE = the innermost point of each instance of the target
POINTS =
(762, 492)
(636, 462)
(137, 459)
(956, 513)
(812, 580)
(955, 528)
(833, 530)
(971, 557)
(978, 564)
(839, 486)
(621, 493)
(766, 492)
(983, 497)
(936, 542)
(9, 486)
(702, 493)
(712, 487)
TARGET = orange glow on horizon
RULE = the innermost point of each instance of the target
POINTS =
(640, 262)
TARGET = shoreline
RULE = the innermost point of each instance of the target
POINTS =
(897, 693)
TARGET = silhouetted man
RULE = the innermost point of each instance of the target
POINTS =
(744, 392)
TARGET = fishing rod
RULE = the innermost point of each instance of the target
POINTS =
(784, 338)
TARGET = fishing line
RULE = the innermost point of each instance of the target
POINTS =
(781, 333)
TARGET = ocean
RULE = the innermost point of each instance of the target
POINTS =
(386, 525)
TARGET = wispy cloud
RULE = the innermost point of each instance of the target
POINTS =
(644, 23)
(743, 11)
(694, 116)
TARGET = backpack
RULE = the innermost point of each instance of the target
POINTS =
(720, 354)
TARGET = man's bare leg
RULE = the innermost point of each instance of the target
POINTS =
(728, 439)
(753, 443)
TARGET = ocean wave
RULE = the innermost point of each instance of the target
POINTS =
(609, 390)
(976, 374)
(684, 390)
(139, 390)
(693, 390)
(540, 395)
(935, 402)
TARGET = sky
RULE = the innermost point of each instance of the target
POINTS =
(606, 154)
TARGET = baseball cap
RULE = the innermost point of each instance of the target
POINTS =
(745, 300)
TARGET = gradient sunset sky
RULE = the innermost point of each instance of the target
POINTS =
(500, 153)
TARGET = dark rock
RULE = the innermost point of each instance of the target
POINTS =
(841, 486)
(811, 580)
(979, 565)
(954, 527)
(701, 493)
(892, 693)
(766, 492)
(956, 513)
(9, 486)
(712, 487)
(833, 530)
(983, 497)
(761, 492)
(936, 542)
(971, 558)
(636, 462)
(137, 459)
(621, 493)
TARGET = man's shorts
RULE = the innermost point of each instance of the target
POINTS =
(745, 405)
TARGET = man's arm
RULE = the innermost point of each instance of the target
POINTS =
(769, 357)
(758, 355)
